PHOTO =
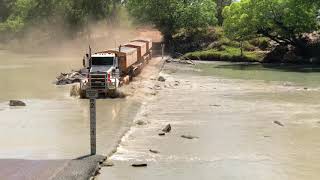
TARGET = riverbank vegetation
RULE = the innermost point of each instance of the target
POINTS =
(291, 24)
(245, 30)
(264, 31)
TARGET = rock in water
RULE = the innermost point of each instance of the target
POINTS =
(69, 78)
(140, 165)
(16, 103)
(189, 137)
(140, 122)
(278, 123)
(108, 164)
(167, 129)
(215, 105)
(154, 151)
(161, 79)
(162, 134)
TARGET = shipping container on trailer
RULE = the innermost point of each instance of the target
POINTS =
(127, 56)
(147, 41)
(141, 49)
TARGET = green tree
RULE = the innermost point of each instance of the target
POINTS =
(5, 9)
(221, 4)
(284, 21)
(170, 16)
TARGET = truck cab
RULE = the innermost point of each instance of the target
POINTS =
(103, 73)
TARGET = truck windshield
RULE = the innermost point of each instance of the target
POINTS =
(102, 61)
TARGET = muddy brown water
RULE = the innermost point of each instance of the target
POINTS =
(52, 125)
(237, 138)
(232, 110)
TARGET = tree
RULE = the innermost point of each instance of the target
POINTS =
(5, 9)
(283, 21)
(170, 16)
(221, 4)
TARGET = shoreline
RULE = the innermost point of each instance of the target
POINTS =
(262, 63)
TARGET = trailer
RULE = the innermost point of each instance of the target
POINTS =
(147, 41)
(126, 58)
(140, 47)
(149, 45)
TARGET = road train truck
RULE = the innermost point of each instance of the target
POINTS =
(107, 70)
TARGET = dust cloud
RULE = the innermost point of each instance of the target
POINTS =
(57, 40)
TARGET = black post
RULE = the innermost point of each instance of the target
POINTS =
(93, 127)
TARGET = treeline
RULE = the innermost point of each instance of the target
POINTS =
(223, 25)
(18, 15)
(218, 26)
(286, 22)
(172, 16)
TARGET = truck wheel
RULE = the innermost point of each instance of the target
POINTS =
(83, 94)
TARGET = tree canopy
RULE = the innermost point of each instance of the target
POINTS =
(284, 21)
(170, 16)
(15, 15)
(221, 4)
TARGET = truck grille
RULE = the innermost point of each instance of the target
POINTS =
(98, 81)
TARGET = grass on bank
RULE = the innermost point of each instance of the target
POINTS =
(226, 54)
(214, 45)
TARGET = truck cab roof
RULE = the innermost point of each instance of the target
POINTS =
(104, 55)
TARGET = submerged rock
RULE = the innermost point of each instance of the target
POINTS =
(167, 129)
(154, 93)
(139, 165)
(161, 79)
(154, 151)
(157, 87)
(16, 103)
(278, 123)
(189, 137)
(141, 122)
(215, 105)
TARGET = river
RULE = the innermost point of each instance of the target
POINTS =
(52, 125)
(231, 111)
(231, 108)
